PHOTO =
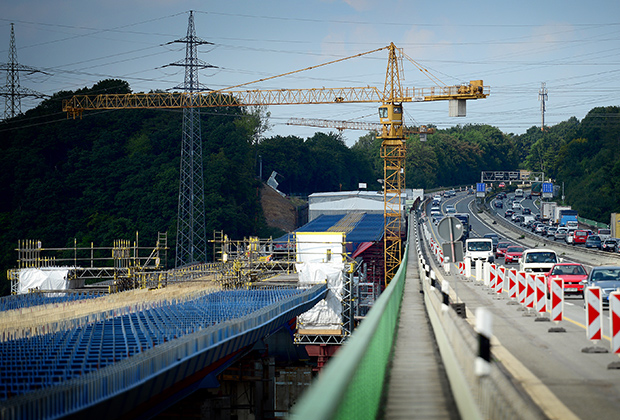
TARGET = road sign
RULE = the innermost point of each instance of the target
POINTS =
(452, 252)
(450, 229)
(547, 190)
(480, 189)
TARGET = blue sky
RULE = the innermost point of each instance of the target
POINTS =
(572, 46)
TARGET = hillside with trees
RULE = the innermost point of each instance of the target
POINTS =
(112, 173)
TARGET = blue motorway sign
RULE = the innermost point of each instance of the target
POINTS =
(480, 187)
(547, 187)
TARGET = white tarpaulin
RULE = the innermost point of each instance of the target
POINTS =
(313, 268)
(47, 278)
(320, 247)
(327, 314)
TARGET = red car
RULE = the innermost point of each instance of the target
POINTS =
(573, 275)
(579, 237)
(501, 249)
(513, 253)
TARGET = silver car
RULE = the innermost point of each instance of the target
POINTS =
(560, 234)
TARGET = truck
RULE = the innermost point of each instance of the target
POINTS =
(547, 210)
(568, 216)
(556, 214)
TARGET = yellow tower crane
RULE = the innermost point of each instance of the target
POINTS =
(391, 98)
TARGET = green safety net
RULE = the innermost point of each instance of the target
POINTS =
(351, 384)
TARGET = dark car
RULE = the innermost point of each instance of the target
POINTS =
(610, 245)
(594, 241)
(526, 210)
(499, 204)
(607, 278)
(509, 213)
(494, 237)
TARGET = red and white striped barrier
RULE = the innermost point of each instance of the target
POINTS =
(614, 315)
(499, 281)
(557, 299)
(529, 291)
(521, 286)
(594, 310)
(492, 276)
(512, 283)
(541, 294)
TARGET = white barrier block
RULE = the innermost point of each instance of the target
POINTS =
(467, 263)
(479, 274)
(486, 272)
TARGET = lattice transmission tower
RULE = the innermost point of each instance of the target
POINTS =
(191, 244)
(12, 91)
(542, 97)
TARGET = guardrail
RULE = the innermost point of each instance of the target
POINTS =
(351, 385)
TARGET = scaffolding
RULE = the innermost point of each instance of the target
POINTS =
(126, 265)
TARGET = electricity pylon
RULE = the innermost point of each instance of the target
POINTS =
(12, 91)
(191, 244)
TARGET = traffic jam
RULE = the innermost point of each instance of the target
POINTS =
(549, 221)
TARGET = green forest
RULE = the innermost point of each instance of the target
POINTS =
(112, 173)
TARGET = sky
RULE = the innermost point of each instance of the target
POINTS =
(571, 46)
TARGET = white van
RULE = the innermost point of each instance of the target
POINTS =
(479, 249)
(538, 260)
(518, 192)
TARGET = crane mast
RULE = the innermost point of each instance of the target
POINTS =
(393, 150)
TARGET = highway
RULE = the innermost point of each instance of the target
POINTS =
(551, 366)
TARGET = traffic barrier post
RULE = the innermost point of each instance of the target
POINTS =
(467, 264)
(557, 299)
(484, 328)
(529, 294)
(614, 319)
(499, 281)
(512, 283)
(521, 286)
(492, 276)
(541, 294)
(594, 309)
(486, 273)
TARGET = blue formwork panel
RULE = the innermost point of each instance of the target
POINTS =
(84, 349)
(8, 303)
